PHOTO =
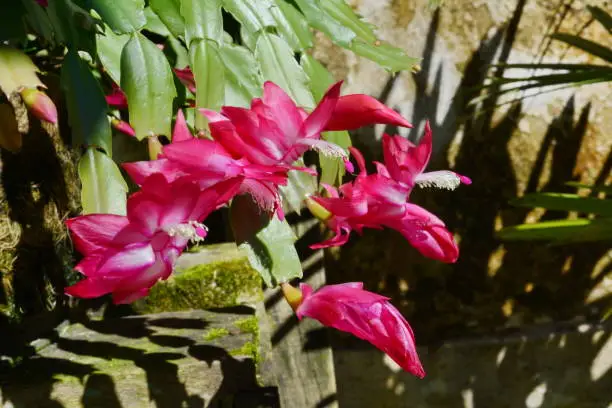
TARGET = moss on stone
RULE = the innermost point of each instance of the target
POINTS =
(215, 333)
(249, 325)
(249, 349)
(219, 284)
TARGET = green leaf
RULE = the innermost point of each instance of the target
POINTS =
(242, 71)
(38, 19)
(605, 19)
(268, 243)
(180, 52)
(104, 189)
(254, 16)
(209, 77)
(72, 25)
(154, 24)
(87, 108)
(320, 20)
(589, 46)
(109, 47)
(16, 70)
(169, 12)
(603, 189)
(391, 58)
(561, 231)
(291, 25)
(566, 202)
(299, 186)
(203, 20)
(279, 66)
(125, 16)
(332, 168)
(344, 14)
(147, 80)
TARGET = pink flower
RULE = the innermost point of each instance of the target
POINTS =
(127, 255)
(369, 316)
(117, 98)
(207, 163)
(185, 75)
(354, 111)
(405, 163)
(376, 201)
(275, 130)
(43, 3)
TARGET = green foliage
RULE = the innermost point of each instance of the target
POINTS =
(147, 81)
(594, 224)
(86, 105)
(104, 190)
(268, 242)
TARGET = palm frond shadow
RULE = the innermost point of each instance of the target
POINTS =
(495, 289)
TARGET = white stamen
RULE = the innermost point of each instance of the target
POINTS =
(187, 230)
(329, 149)
(440, 179)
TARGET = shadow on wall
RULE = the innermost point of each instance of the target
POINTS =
(494, 289)
(160, 357)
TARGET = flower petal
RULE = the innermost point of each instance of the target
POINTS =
(132, 259)
(95, 232)
(318, 120)
(354, 111)
(181, 130)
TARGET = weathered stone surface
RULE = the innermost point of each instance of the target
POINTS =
(301, 353)
(178, 359)
(213, 276)
(537, 144)
(568, 368)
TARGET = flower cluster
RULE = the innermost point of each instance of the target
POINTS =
(381, 199)
(251, 152)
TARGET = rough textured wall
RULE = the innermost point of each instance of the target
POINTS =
(533, 144)
(495, 288)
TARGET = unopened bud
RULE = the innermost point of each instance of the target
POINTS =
(155, 147)
(123, 127)
(317, 209)
(293, 296)
(39, 104)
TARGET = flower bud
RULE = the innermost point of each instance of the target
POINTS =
(123, 127)
(293, 296)
(317, 209)
(155, 147)
(39, 104)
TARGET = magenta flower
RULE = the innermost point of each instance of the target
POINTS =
(117, 98)
(377, 201)
(127, 255)
(357, 110)
(185, 75)
(405, 163)
(367, 315)
(275, 130)
(207, 163)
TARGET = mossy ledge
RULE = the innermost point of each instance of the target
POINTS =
(249, 325)
(209, 285)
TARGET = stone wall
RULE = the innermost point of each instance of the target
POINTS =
(496, 288)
